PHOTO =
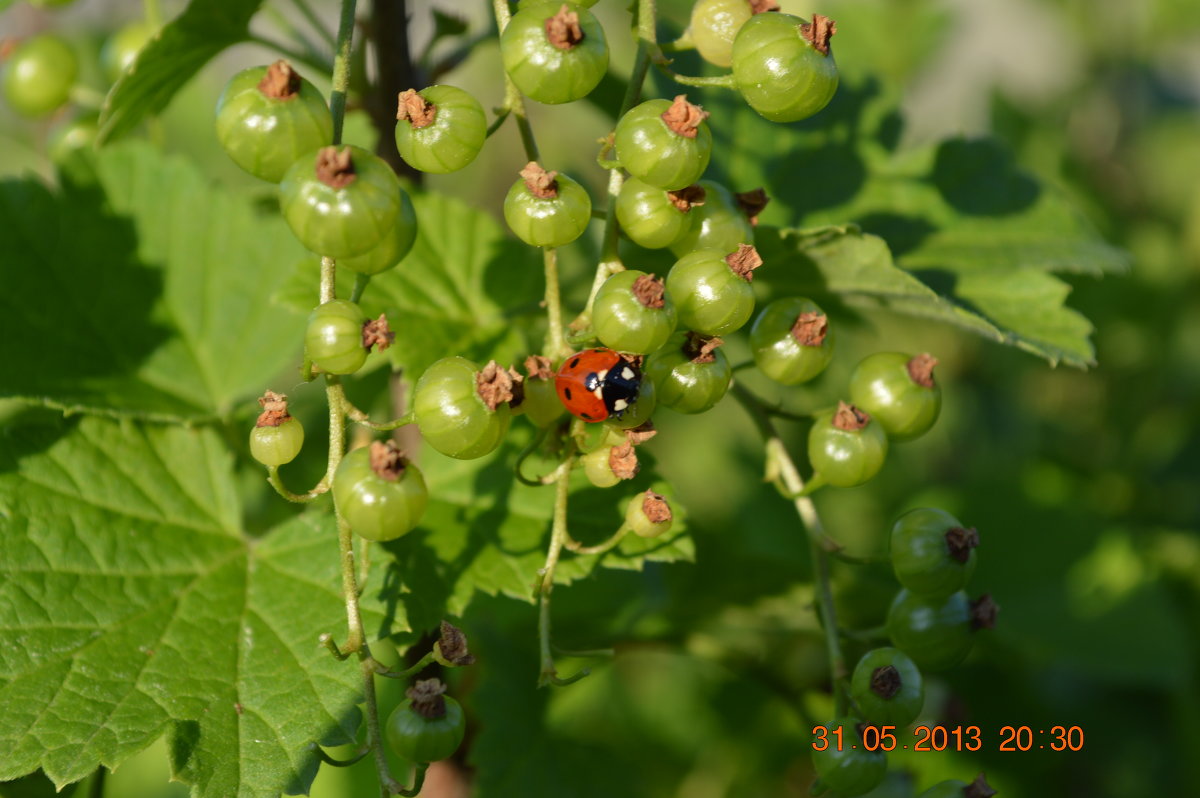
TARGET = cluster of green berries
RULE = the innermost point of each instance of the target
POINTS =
(932, 625)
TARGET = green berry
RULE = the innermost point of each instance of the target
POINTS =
(608, 465)
(691, 372)
(463, 411)
(886, 687)
(39, 75)
(853, 770)
(654, 218)
(791, 340)
(712, 291)
(664, 143)
(783, 65)
(953, 788)
(718, 224)
(648, 514)
(277, 437)
(933, 555)
(554, 52)
(380, 494)
(935, 633)
(898, 391)
(427, 726)
(540, 402)
(845, 447)
(123, 47)
(439, 129)
(269, 117)
(715, 24)
(547, 209)
(633, 313)
(393, 248)
(339, 336)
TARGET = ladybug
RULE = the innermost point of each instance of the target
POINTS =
(597, 384)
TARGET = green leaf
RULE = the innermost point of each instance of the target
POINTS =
(204, 29)
(132, 606)
(160, 286)
(457, 292)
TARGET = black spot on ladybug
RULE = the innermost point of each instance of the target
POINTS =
(567, 393)
(574, 362)
(586, 416)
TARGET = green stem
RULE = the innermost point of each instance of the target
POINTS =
(556, 344)
(361, 281)
(339, 763)
(721, 81)
(341, 68)
(418, 781)
(524, 455)
(315, 22)
(291, 53)
(388, 673)
(558, 537)
(577, 547)
(152, 12)
(300, 498)
(513, 101)
(96, 787)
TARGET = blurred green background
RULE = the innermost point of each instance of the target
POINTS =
(1085, 486)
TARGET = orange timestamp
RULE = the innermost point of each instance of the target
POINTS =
(947, 738)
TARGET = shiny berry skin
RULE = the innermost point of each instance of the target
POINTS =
(690, 377)
(393, 248)
(887, 688)
(439, 129)
(850, 771)
(540, 402)
(598, 384)
(791, 340)
(340, 201)
(275, 446)
(39, 75)
(654, 218)
(268, 117)
(333, 339)
(554, 52)
(715, 24)
(953, 788)
(379, 500)
(122, 48)
(547, 209)
(451, 413)
(420, 739)
(718, 224)
(648, 515)
(633, 313)
(597, 467)
(783, 66)
(899, 391)
(845, 447)
(663, 143)
(933, 555)
(934, 633)
(712, 291)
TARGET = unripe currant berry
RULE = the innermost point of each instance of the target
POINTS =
(39, 75)
(887, 688)
(339, 336)
(791, 340)
(648, 514)
(783, 65)
(715, 24)
(938, 633)
(633, 313)
(269, 117)
(427, 726)
(539, 398)
(691, 372)
(898, 391)
(554, 52)
(547, 209)
(388, 253)
(845, 448)
(655, 218)
(608, 465)
(123, 47)
(379, 492)
(953, 788)
(712, 290)
(664, 143)
(721, 223)
(461, 410)
(933, 555)
(849, 768)
(277, 437)
(340, 202)
(439, 129)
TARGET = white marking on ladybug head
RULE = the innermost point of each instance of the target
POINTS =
(627, 373)
(600, 375)
(599, 394)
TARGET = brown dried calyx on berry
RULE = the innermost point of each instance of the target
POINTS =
(763, 6)
(562, 29)
(752, 203)
(334, 167)
(684, 118)
(377, 333)
(494, 385)
(959, 542)
(426, 696)
(849, 418)
(451, 648)
(641, 433)
(885, 681)
(920, 369)
(518, 387)
(649, 290)
(274, 410)
(983, 612)
(387, 460)
(979, 788)
(415, 109)
(541, 184)
(281, 81)
(819, 32)
(744, 261)
(623, 461)
(539, 367)
(700, 349)
(656, 507)
(686, 198)
(810, 328)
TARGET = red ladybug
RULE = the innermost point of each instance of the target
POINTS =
(598, 384)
